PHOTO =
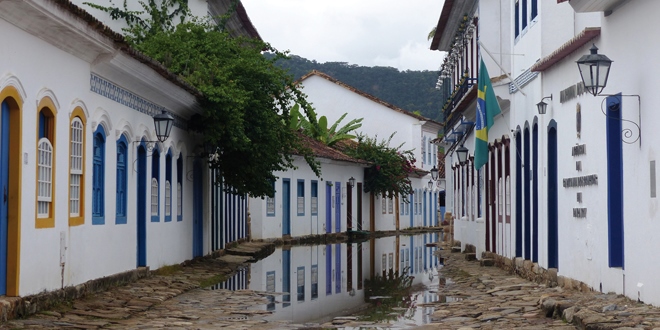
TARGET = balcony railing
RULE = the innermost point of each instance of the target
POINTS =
(462, 88)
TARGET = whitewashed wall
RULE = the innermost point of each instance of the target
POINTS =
(91, 251)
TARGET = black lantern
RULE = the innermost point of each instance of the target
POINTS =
(163, 123)
(542, 106)
(430, 184)
(462, 153)
(434, 173)
(594, 70)
(351, 182)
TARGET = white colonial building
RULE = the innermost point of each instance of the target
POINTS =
(89, 190)
(579, 189)
(332, 98)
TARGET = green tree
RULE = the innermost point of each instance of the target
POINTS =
(319, 130)
(245, 97)
(388, 174)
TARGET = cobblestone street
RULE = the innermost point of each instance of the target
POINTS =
(472, 297)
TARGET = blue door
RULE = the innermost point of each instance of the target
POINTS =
(535, 191)
(615, 225)
(142, 206)
(328, 209)
(286, 207)
(198, 210)
(553, 184)
(4, 185)
(337, 207)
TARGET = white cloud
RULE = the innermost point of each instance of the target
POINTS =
(363, 32)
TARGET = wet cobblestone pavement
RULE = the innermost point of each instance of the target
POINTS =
(472, 297)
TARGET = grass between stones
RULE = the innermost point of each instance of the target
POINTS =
(212, 281)
(168, 270)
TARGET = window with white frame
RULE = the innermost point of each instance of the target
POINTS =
(384, 204)
(168, 199)
(178, 198)
(154, 197)
(76, 166)
(390, 205)
(45, 178)
(424, 150)
(508, 195)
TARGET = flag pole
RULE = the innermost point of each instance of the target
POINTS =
(498, 64)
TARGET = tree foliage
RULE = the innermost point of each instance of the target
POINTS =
(246, 98)
(318, 129)
(388, 176)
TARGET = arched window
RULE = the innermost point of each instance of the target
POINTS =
(122, 180)
(168, 186)
(154, 198)
(155, 177)
(98, 177)
(76, 171)
(45, 161)
(45, 179)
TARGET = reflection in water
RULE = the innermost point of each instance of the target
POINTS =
(295, 274)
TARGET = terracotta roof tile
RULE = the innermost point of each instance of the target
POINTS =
(321, 150)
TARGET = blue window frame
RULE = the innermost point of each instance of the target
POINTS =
(301, 197)
(98, 177)
(168, 186)
(523, 17)
(535, 9)
(122, 165)
(516, 10)
(155, 187)
(179, 188)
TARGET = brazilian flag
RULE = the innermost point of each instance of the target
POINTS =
(487, 109)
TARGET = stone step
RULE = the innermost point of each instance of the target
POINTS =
(487, 262)
(470, 256)
(455, 249)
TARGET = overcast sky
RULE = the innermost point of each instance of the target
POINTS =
(363, 32)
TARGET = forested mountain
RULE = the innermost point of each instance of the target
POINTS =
(408, 90)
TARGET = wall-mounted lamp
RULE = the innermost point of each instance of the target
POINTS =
(434, 173)
(351, 182)
(594, 70)
(462, 153)
(542, 106)
(163, 124)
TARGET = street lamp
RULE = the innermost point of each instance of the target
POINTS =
(434, 173)
(542, 106)
(594, 70)
(163, 123)
(462, 153)
(351, 182)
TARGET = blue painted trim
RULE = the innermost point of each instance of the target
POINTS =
(122, 96)
(535, 189)
(155, 173)
(198, 208)
(553, 204)
(286, 206)
(98, 177)
(337, 207)
(615, 221)
(141, 205)
(168, 178)
(424, 210)
(179, 179)
(122, 181)
(328, 208)
(519, 204)
(527, 193)
(286, 277)
(337, 268)
(4, 187)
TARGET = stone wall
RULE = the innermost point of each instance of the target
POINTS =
(533, 272)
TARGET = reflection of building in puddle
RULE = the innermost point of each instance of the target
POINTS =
(317, 283)
(238, 281)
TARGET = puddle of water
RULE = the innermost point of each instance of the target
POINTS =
(314, 284)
